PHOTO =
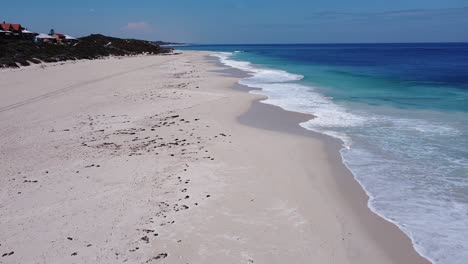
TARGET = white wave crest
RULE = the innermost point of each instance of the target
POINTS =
(279, 87)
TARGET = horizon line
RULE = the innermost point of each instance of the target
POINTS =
(316, 43)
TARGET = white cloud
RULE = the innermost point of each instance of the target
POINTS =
(141, 27)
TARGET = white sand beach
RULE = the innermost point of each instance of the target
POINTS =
(164, 159)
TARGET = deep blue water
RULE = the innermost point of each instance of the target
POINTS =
(401, 111)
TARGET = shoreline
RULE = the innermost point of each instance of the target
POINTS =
(271, 117)
(382, 230)
(153, 158)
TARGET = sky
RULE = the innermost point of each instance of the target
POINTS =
(249, 21)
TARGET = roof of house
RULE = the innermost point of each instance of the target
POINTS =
(70, 37)
(5, 26)
(60, 35)
(17, 26)
(44, 36)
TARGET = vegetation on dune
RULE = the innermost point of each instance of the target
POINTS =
(23, 52)
(167, 43)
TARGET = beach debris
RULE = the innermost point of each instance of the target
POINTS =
(145, 239)
(8, 254)
(147, 230)
(135, 249)
(34, 181)
(160, 256)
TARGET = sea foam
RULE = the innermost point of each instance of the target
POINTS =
(279, 87)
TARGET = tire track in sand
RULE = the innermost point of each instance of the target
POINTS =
(71, 87)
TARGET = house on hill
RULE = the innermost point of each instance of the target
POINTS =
(62, 38)
(15, 31)
(5, 33)
(15, 28)
(44, 38)
(26, 34)
(59, 36)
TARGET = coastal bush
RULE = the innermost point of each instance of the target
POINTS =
(14, 52)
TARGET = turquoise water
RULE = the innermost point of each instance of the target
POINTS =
(401, 111)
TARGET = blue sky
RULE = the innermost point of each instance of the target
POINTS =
(250, 21)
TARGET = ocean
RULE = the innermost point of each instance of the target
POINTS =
(401, 111)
